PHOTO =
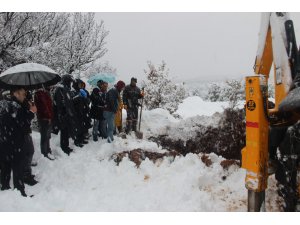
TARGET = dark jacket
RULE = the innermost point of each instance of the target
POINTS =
(131, 95)
(64, 111)
(44, 105)
(27, 116)
(112, 100)
(14, 122)
(98, 104)
(82, 111)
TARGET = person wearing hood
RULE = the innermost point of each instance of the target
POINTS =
(14, 121)
(64, 113)
(112, 105)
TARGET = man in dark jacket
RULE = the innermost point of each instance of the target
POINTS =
(98, 103)
(64, 113)
(44, 106)
(28, 147)
(131, 95)
(82, 111)
(112, 101)
(14, 129)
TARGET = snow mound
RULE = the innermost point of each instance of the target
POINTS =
(195, 105)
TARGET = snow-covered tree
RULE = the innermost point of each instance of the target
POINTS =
(231, 90)
(84, 43)
(23, 36)
(214, 93)
(68, 43)
(98, 68)
(160, 91)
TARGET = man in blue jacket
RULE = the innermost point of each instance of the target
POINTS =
(112, 103)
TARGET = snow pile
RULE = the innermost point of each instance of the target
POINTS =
(193, 106)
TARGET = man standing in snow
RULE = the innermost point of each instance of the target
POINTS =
(98, 103)
(112, 104)
(13, 134)
(44, 106)
(27, 107)
(82, 111)
(131, 95)
(64, 113)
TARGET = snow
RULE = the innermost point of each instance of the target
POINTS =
(89, 180)
(27, 67)
(193, 106)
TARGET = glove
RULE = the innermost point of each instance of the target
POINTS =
(142, 93)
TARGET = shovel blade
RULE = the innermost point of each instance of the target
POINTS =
(139, 134)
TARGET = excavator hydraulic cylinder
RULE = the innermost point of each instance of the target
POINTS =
(255, 154)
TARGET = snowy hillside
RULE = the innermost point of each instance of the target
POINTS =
(89, 180)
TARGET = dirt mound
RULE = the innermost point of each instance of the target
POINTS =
(227, 139)
(138, 155)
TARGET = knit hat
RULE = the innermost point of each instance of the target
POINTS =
(134, 79)
(120, 84)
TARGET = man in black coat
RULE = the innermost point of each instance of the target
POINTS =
(82, 110)
(13, 131)
(131, 95)
(64, 113)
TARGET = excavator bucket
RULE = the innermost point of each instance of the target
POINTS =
(291, 102)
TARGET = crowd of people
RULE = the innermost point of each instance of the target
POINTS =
(67, 108)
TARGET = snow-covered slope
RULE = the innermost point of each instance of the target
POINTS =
(88, 180)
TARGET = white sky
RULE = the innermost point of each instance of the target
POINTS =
(195, 46)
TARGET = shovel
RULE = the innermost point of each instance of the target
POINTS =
(139, 134)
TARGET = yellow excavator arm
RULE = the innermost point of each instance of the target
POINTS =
(276, 46)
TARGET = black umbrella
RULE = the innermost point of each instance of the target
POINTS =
(29, 76)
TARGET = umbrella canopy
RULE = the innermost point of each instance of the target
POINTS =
(109, 78)
(28, 75)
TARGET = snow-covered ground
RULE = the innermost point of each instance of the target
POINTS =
(89, 180)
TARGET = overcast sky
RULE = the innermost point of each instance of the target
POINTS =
(201, 46)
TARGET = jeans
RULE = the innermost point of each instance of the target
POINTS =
(103, 128)
(45, 130)
(110, 118)
(64, 139)
(95, 129)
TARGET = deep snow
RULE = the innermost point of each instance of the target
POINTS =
(88, 180)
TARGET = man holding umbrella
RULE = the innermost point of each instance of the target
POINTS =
(14, 132)
(15, 117)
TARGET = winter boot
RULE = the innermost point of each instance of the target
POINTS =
(49, 156)
(67, 150)
(128, 126)
(134, 124)
(78, 144)
(5, 187)
(30, 181)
